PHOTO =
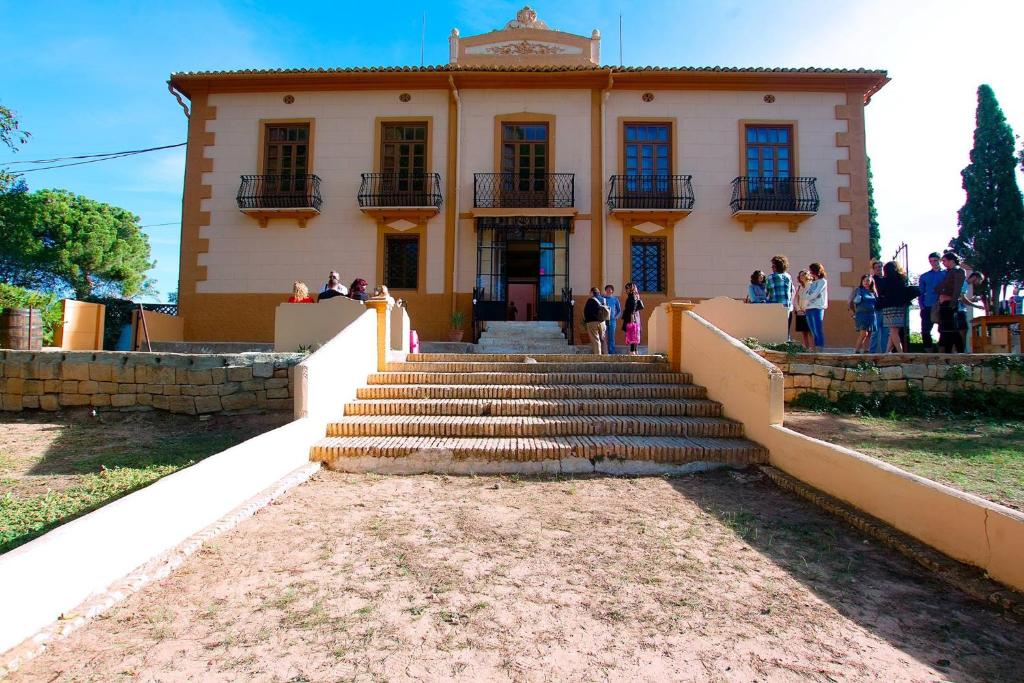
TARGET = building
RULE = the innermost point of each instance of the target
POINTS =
(519, 171)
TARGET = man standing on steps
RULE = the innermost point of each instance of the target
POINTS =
(615, 309)
(929, 298)
(595, 318)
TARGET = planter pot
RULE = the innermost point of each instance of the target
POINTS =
(455, 335)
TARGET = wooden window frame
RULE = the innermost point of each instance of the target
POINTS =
(671, 122)
(264, 124)
(794, 163)
(378, 138)
(670, 143)
(525, 118)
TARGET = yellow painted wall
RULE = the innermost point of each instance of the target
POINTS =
(81, 328)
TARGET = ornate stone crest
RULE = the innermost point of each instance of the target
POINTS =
(526, 18)
(525, 47)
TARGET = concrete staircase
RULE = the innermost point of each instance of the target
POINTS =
(523, 337)
(561, 413)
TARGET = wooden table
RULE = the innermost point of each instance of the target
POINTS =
(991, 333)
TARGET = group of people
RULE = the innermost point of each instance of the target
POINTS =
(602, 313)
(880, 305)
(806, 299)
(331, 289)
(945, 294)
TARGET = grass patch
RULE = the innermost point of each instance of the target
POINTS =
(100, 468)
(979, 455)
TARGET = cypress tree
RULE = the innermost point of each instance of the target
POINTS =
(991, 236)
(874, 233)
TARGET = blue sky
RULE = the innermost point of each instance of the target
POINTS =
(90, 77)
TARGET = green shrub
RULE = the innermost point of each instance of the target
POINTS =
(788, 347)
(958, 373)
(48, 304)
(998, 403)
(1005, 364)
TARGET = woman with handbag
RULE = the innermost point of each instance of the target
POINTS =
(631, 317)
(892, 292)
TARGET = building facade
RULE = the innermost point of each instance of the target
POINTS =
(515, 178)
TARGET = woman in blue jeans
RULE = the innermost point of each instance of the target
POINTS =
(817, 302)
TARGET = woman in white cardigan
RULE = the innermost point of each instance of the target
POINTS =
(817, 302)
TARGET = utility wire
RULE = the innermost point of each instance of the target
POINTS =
(160, 225)
(91, 156)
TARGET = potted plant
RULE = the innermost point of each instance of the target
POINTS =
(456, 331)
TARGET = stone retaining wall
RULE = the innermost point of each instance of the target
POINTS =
(831, 374)
(179, 383)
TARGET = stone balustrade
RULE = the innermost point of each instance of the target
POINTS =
(831, 374)
(178, 383)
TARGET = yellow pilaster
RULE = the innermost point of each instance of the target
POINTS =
(675, 332)
(383, 306)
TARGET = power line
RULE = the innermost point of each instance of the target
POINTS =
(90, 156)
(160, 225)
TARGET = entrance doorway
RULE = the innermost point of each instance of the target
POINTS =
(522, 260)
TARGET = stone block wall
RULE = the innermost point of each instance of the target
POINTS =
(831, 374)
(178, 383)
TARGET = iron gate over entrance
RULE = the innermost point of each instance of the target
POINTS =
(522, 260)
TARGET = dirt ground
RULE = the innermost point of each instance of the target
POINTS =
(712, 577)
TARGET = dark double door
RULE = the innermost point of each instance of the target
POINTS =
(522, 268)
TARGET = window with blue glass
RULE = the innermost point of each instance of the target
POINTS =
(647, 157)
(647, 263)
(769, 151)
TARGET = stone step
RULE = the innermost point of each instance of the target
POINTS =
(508, 378)
(575, 358)
(534, 407)
(670, 450)
(610, 392)
(611, 368)
(492, 426)
(526, 347)
(523, 325)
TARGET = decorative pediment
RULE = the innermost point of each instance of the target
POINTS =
(525, 41)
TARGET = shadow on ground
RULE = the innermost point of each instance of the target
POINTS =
(862, 580)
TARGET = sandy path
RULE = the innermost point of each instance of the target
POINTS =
(711, 577)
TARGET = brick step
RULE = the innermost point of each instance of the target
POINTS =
(608, 391)
(515, 378)
(473, 366)
(534, 407)
(674, 450)
(575, 358)
(520, 426)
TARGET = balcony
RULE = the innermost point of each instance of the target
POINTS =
(264, 197)
(390, 196)
(774, 200)
(524, 194)
(659, 199)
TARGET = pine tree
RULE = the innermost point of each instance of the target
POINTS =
(874, 233)
(991, 236)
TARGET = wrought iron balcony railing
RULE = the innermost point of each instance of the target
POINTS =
(670, 192)
(279, 192)
(380, 190)
(763, 193)
(524, 190)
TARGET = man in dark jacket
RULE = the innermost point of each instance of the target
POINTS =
(949, 292)
(595, 317)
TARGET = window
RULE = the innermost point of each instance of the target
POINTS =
(403, 155)
(524, 155)
(402, 261)
(286, 156)
(647, 263)
(769, 151)
(648, 149)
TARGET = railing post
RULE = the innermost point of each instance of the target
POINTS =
(383, 306)
(675, 332)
